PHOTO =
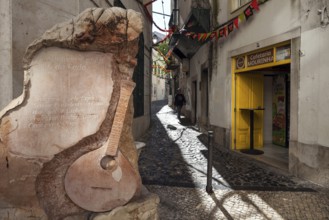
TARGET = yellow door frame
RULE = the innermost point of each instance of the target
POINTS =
(281, 55)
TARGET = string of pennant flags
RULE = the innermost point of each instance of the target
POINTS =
(163, 68)
(161, 71)
(223, 30)
(228, 27)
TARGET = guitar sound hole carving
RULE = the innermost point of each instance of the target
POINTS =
(108, 163)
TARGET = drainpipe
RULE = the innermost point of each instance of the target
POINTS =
(176, 14)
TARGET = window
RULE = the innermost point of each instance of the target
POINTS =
(238, 3)
(138, 78)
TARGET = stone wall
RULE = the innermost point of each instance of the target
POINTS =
(72, 77)
(25, 20)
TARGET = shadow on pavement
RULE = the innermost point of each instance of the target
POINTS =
(242, 173)
(161, 162)
(176, 155)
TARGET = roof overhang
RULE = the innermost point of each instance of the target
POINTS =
(198, 21)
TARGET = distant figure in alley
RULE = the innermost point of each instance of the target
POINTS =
(179, 102)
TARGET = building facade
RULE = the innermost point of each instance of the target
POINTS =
(268, 57)
(160, 75)
(24, 21)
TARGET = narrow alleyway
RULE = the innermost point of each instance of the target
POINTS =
(174, 165)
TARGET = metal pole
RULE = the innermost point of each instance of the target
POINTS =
(176, 13)
(210, 159)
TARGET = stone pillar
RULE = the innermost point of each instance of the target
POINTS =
(6, 85)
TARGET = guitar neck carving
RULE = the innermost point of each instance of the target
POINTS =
(126, 88)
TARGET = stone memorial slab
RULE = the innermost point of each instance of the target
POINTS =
(72, 116)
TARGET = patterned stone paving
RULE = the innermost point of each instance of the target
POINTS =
(176, 155)
(173, 165)
(195, 204)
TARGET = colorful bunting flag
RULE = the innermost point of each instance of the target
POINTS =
(225, 30)
(200, 36)
(254, 5)
(236, 22)
(230, 27)
(242, 17)
(248, 12)
(222, 32)
(169, 53)
(213, 35)
(207, 35)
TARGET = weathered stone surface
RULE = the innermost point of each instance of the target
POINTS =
(108, 30)
(71, 90)
(143, 208)
(22, 213)
(309, 162)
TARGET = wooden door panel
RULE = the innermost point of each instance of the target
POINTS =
(249, 94)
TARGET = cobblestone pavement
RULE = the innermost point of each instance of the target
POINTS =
(174, 165)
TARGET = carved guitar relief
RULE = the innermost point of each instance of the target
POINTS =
(104, 179)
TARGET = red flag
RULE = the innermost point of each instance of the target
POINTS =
(213, 35)
(254, 5)
(236, 22)
(200, 36)
(230, 27)
(222, 32)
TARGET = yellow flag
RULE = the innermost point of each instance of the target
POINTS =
(242, 17)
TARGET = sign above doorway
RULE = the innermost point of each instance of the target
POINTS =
(270, 56)
(259, 58)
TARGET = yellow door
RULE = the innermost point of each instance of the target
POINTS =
(248, 94)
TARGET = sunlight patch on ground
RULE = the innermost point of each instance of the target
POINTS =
(175, 131)
(227, 204)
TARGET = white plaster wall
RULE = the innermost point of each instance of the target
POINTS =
(196, 62)
(6, 86)
(274, 18)
(158, 88)
(220, 108)
(313, 127)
